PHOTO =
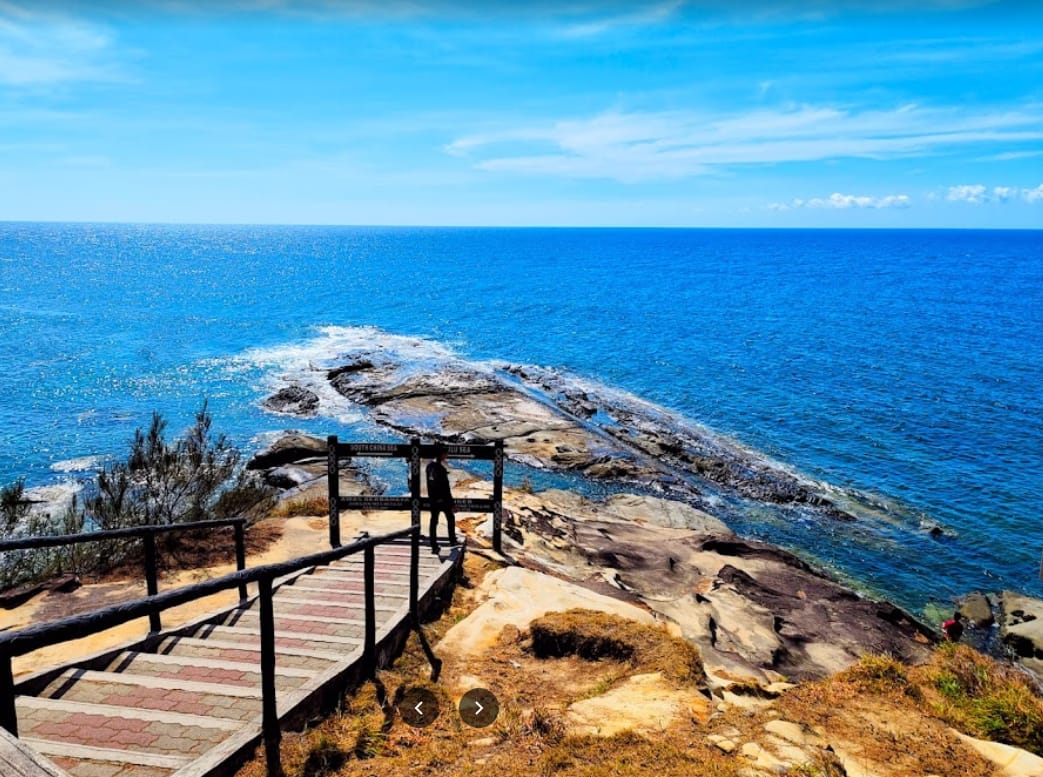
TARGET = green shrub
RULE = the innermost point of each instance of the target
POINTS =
(985, 698)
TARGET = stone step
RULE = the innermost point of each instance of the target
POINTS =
(336, 599)
(390, 574)
(298, 626)
(337, 587)
(245, 653)
(156, 693)
(207, 670)
(344, 579)
(154, 732)
(84, 761)
(252, 634)
(428, 563)
(321, 609)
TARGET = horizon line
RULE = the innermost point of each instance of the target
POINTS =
(635, 227)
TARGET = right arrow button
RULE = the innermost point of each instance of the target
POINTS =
(479, 708)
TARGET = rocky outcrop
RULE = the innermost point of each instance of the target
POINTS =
(1021, 628)
(289, 449)
(296, 465)
(682, 447)
(288, 477)
(977, 609)
(757, 613)
(547, 422)
(293, 400)
(458, 402)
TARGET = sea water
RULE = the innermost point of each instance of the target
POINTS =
(902, 366)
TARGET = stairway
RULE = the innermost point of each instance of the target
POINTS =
(158, 714)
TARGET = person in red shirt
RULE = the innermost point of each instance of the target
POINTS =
(953, 627)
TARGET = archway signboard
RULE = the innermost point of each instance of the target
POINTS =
(413, 452)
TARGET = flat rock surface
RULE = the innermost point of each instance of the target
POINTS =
(550, 422)
(645, 703)
(518, 596)
(755, 611)
(1021, 628)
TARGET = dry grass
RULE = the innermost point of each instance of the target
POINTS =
(880, 712)
(529, 737)
(318, 505)
(982, 697)
(883, 710)
(880, 675)
(197, 550)
(596, 635)
(630, 755)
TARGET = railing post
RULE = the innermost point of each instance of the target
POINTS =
(414, 481)
(269, 708)
(333, 476)
(151, 583)
(8, 715)
(498, 497)
(240, 555)
(369, 655)
(414, 573)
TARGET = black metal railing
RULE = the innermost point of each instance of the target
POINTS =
(148, 535)
(415, 503)
(19, 643)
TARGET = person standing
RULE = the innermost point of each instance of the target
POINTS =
(441, 497)
(953, 627)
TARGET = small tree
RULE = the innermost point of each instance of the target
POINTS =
(193, 478)
(14, 507)
(164, 483)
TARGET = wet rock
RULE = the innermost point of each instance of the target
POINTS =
(977, 609)
(289, 449)
(608, 468)
(347, 369)
(294, 400)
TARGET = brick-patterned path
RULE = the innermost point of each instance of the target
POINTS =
(156, 714)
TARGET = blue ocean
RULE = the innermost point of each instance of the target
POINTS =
(905, 367)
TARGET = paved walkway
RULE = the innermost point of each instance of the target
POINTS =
(178, 710)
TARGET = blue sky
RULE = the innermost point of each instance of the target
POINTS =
(579, 112)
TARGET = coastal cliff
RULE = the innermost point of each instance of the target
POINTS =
(758, 613)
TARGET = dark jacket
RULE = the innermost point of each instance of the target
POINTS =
(438, 482)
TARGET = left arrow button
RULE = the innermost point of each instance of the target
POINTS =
(418, 707)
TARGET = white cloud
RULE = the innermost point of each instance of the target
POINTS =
(838, 201)
(631, 146)
(643, 18)
(41, 48)
(972, 193)
(978, 194)
(1004, 193)
(1008, 156)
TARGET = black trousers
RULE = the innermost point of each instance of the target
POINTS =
(450, 519)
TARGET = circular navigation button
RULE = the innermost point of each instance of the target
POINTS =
(418, 707)
(479, 708)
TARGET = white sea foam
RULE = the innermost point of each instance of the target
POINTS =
(80, 464)
(333, 343)
(306, 363)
